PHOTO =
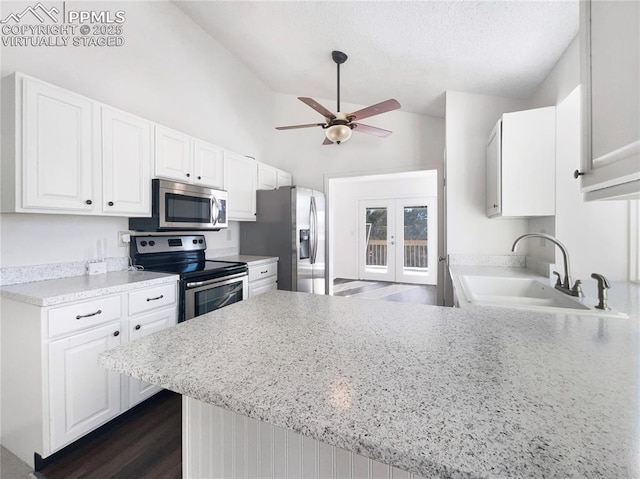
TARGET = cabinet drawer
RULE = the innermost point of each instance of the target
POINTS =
(151, 298)
(260, 287)
(80, 316)
(261, 271)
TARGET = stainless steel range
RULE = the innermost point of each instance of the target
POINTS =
(205, 285)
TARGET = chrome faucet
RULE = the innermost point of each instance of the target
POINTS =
(562, 285)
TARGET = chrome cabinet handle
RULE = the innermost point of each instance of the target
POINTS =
(157, 297)
(80, 316)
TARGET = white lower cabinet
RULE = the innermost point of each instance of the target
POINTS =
(263, 277)
(140, 326)
(53, 391)
(83, 394)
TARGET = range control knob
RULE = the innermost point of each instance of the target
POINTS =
(195, 241)
(143, 243)
(200, 241)
(152, 243)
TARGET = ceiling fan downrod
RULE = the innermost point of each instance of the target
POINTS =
(339, 58)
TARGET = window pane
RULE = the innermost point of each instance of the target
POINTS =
(376, 223)
(415, 237)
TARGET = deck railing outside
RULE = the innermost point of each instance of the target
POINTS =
(415, 253)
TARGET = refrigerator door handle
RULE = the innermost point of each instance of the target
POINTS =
(313, 223)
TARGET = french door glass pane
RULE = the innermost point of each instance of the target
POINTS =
(376, 231)
(415, 237)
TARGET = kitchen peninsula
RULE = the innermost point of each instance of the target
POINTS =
(435, 392)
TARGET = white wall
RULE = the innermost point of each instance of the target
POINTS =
(469, 120)
(417, 142)
(345, 195)
(170, 71)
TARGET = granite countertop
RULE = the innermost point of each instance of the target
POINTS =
(65, 290)
(441, 392)
(249, 259)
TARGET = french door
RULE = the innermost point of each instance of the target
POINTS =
(398, 240)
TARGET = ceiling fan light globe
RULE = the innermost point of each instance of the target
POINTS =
(338, 133)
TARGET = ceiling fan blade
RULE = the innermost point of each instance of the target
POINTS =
(376, 109)
(317, 107)
(327, 141)
(293, 127)
(371, 130)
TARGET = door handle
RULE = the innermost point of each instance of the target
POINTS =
(441, 258)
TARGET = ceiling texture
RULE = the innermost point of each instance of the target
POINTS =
(409, 50)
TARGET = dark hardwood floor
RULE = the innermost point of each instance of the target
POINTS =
(147, 444)
(398, 292)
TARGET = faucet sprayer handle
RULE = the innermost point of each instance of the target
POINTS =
(603, 283)
(603, 286)
(559, 282)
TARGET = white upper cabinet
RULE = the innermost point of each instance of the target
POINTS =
(521, 165)
(284, 178)
(188, 160)
(173, 155)
(267, 177)
(57, 149)
(126, 160)
(241, 183)
(270, 178)
(208, 164)
(64, 153)
(610, 68)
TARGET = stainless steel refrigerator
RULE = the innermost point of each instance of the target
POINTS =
(290, 224)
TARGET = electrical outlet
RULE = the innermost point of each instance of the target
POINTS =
(124, 238)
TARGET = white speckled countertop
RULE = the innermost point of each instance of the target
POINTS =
(441, 392)
(251, 260)
(64, 290)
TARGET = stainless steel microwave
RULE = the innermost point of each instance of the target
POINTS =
(179, 206)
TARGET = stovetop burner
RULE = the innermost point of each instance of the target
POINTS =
(180, 254)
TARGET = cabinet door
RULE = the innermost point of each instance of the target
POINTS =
(494, 186)
(141, 326)
(126, 164)
(173, 155)
(610, 70)
(83, 395)
(241, 181)
(57, 149)
(283, 179)
(267, 177)
(209, 165)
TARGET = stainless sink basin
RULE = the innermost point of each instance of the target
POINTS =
(525, 293)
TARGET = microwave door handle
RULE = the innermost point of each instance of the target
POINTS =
(214, 218)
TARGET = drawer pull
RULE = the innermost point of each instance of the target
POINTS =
(264, 272)
(154, 299)
(137, 327)
(117, 333)
(80, 316)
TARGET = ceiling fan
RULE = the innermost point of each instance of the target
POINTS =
(338, 126)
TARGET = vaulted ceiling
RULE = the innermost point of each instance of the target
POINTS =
(409, 50)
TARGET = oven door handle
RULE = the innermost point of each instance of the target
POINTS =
(214, 281)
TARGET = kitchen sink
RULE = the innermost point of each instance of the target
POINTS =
(525, 293)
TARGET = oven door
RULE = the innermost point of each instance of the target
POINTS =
(202, 297)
